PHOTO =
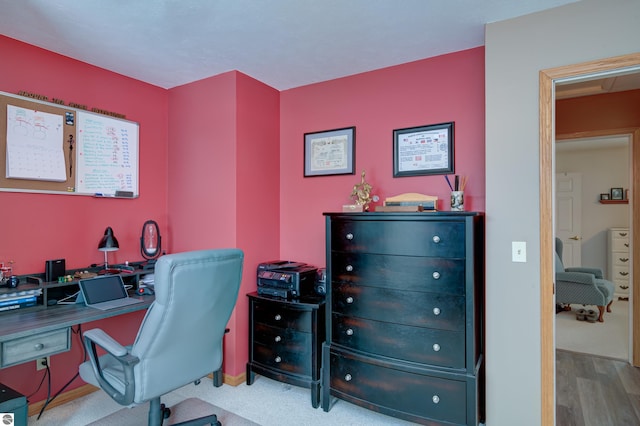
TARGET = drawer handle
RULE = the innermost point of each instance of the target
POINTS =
(278, 317)
(624, 287)
(624, 259)
(349, 300)
(436, 275)
(278, 359)
(38, 346)
(278, 339)
(436, 239)
(626, 244)
(435, 399)
(624, 274)
(348, 377)
(349, 268)
(622, 234)
(436, 347)
(349, 332)
(436, 311)
(349, 236)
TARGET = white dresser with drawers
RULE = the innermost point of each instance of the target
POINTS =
(619, 261)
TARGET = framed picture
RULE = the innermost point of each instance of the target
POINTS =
(330, 152)
(604, 196)
(617, 194)
(425, 150)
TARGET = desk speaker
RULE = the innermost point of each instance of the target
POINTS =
(54, 269)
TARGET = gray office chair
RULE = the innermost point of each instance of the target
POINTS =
(180, 338)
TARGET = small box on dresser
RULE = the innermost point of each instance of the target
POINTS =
(619, 260)
(405, 297)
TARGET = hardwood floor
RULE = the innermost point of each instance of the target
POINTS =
(598, 391)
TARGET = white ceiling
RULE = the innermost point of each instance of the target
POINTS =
(283, 43)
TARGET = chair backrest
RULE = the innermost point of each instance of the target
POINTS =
(559, 266)
(180, 339)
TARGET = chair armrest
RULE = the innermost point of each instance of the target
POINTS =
(597, 272)
(97, 338)
(105, 341)
(576, 277)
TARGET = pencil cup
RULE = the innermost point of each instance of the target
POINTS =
(457, 201)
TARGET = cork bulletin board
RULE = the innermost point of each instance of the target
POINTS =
(46, 147)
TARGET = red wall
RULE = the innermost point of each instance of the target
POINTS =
(42, 226)
(223, 175)
(430, 91)
(221, 165)
(619, 110)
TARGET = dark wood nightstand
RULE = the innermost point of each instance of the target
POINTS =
(285, 341)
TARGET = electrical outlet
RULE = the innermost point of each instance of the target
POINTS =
(41, 363)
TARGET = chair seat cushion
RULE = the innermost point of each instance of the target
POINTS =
(111, 369)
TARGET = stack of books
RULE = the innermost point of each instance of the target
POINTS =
(409, 202)
(19, 299)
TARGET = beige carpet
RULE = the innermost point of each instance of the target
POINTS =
(185, 410)
(609, 338)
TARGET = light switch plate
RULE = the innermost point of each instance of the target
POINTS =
(518, 251)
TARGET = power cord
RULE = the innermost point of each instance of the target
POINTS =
(49, 399)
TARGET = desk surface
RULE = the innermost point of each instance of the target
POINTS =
(30, 321)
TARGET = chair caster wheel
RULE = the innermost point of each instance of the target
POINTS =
(166, 411)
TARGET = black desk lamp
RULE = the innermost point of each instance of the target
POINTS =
(108, 243)
(150, 243)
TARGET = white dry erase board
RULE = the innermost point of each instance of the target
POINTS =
(52, 148)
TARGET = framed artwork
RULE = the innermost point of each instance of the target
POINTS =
(604, 196)
(425, 150)
(330, 152)
(617, 194)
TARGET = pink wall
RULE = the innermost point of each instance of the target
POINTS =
(223, 175)
(235, 175)
(44, 226)
(435, 90)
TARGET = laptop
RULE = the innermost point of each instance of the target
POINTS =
(105, 292)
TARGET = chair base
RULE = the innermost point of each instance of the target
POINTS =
(158, 412)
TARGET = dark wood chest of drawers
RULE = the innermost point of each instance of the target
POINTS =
(285, 338)
(405, 295)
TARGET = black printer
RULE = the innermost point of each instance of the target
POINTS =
(286, 279)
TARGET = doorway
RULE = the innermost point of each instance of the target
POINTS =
(548, 79)
(585, 168)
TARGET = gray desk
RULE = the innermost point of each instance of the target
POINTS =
(33, 333)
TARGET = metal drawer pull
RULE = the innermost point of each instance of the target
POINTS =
(348, 377)
(349, 236)
(436, 239)
(278, 339)
(435, 399)
(436, 275)
(278, 359)
(624, 274)
(624, 259)
(38, 346)
(436, 311)
(624, 287)
(349, 299)
(626, 244)
(349, 268)
(436, 347)
(349, 332)
(278, 317)
(622, 234)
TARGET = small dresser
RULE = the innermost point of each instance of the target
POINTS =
(405, 297)
(285, 340)
(619, 261)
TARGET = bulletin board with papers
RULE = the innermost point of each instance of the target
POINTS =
(45, 147)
